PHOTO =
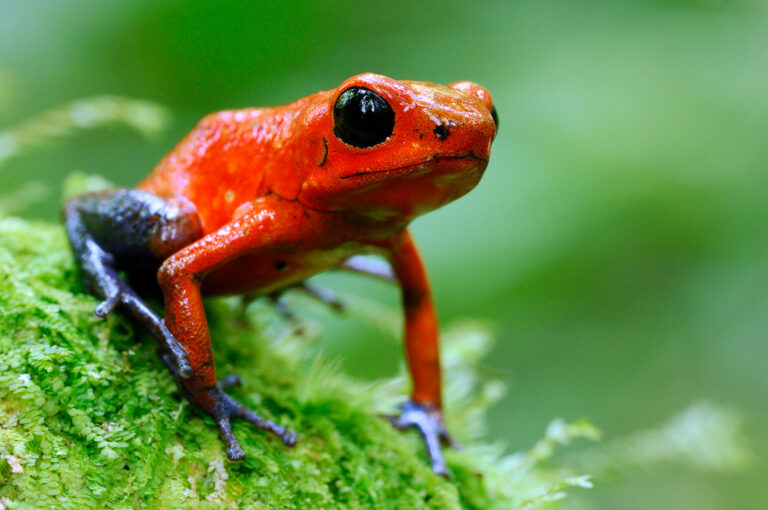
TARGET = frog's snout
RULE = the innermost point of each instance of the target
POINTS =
(480, 93)
(482, 129)
(474, 90)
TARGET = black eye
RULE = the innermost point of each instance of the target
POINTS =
(362, 118)
(495, 117)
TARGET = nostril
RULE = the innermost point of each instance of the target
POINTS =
(495, 116)
(441, 132)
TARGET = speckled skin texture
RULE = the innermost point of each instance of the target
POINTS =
(254, 200)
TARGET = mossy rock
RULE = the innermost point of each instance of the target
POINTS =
(90, 417)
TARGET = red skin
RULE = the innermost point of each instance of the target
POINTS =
(281, 198)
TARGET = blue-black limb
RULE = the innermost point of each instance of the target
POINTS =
(428, 420)
(134, 231)
(321, 294)
(227, 408)
(360, 264)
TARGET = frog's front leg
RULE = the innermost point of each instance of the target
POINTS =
(424, 410)
(180, 277)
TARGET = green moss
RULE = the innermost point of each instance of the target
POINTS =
(89, 417)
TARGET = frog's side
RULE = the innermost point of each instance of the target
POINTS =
(256, 200)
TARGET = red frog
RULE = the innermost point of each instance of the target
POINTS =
(259, 199)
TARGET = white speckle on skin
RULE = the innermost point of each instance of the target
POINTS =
(229, 196)
(240, 116)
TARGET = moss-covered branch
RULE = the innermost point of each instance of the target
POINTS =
(89, 417)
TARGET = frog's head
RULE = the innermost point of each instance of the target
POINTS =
(388, 149)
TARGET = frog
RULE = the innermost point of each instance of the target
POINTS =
(254, 201)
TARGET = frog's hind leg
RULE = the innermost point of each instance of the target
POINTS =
(321, 294)
(359, 264)
(130, 229)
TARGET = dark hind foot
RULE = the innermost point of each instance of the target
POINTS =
(322, 294)
(120, 294)
(115, 229)
(317, 292)
(428, 420)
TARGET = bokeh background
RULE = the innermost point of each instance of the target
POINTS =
(618, 244)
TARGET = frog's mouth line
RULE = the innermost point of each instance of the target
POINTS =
(436, 159)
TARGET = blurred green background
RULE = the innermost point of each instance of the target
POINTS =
(618, 243)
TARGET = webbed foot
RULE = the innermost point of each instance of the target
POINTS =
(428, 420)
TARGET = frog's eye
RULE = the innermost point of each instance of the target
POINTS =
(362, 118)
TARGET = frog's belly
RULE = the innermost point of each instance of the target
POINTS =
(266, 272)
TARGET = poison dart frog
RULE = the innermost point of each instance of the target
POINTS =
(257, 200)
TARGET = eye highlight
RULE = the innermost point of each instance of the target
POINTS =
(362, 118)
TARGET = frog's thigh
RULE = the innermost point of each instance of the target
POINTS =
(136, 226)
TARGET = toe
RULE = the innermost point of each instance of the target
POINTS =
(440, 469)
(232, 380)
(107, 306)
(235, 452)
(429, 422)
(228, 409)
(183, 367)
(289, 438)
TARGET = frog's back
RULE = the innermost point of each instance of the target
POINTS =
(222, 163)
